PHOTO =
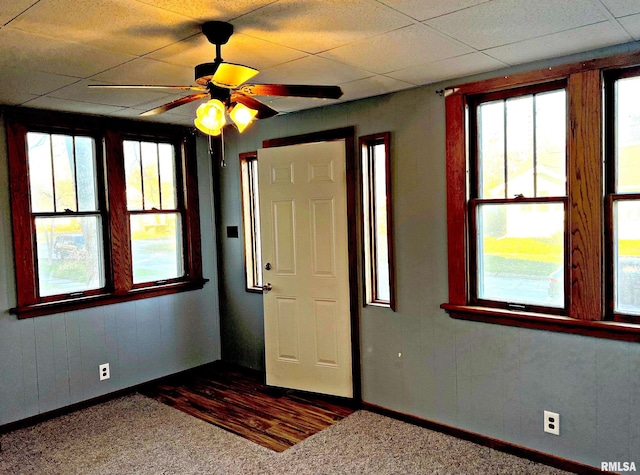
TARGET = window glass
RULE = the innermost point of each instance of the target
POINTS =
(156, 224)
(376, 218)
(156, 247)
(251, 220)
(69, 246)
(69, 252)
(626, 209)
(521, 253)
(521, 154)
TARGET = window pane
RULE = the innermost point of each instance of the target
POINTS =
(133, 173)
(86, 174)
(535, 154)
(491, 152)
(40, 172)
(551, 138)
(156, 247)
(150, 176)
(251, 222)
(627, 256)
(520, 165)
(69, 253)
(521, 253)
(627, 135)
(167, 176)
(380, 225)
(64, 172)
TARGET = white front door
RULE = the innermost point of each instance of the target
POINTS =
(303, 212)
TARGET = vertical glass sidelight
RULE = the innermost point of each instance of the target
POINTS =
(518, 206)
(66, 213)
(376, 214)
(626, 197)
(154, 216)
(251, 221)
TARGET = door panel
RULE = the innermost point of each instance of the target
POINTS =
(304, 229)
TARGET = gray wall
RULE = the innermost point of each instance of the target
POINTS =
(484, 378)
(49, 362)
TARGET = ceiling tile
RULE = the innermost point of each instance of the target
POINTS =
(318, 25)
(619, 8)
(560, 44)
(457, 67)
(204, 10)
(398, 49)
(311, 70)
(421, 10)
(502, 22)
(148, 71)
(12, 8)
(372, 86)
(632, 25)
(51, 103)
(240, 49)
(49, 55)
(23, 81)
(14, 98)
(114, 97)
(115, 25)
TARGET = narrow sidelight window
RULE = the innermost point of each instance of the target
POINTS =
(377, 219)
(251, 221)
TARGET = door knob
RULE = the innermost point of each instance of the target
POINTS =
(267, 287)
(268, 266)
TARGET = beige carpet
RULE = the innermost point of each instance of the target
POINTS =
(137, 435)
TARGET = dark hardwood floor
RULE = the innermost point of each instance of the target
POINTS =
(237, 399)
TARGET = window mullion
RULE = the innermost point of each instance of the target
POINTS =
(585, 195)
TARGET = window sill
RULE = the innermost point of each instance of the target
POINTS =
(49, 308)
(598, 329)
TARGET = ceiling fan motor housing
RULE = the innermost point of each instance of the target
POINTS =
(205, 71)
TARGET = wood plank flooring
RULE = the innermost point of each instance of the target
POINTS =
(236, 399)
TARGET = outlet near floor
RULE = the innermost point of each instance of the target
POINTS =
(552, 422)
(104, 371)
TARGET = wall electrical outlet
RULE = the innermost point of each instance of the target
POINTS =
(552, 422)
(104, 371)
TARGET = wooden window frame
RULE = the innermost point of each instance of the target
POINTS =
(109, 138)
(585, 312)
(369, 245)
(252, 268)
(475, 200)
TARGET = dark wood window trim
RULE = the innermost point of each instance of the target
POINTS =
(369, 271)
(585, 313)
(111, 184)
(248, 223)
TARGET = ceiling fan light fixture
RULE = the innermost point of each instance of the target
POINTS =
(210, 117)
(231, 75)
(242, 116)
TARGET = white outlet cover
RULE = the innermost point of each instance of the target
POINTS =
(552, 422)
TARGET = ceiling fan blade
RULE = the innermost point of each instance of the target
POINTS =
(176, 103)
(264, 111)
(143, 86)
(297, 90)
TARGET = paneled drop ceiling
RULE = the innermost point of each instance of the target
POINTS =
(50, 50)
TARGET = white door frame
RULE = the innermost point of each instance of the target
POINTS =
(347, 134)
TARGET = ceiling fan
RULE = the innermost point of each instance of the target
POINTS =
(225, 84)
